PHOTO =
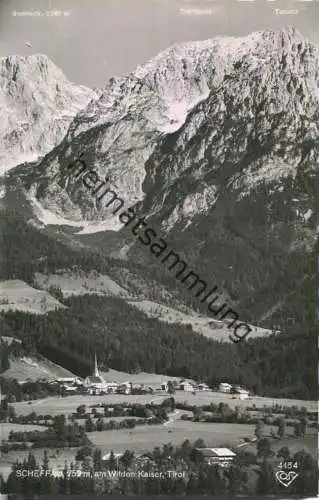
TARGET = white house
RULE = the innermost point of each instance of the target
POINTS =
(66, 380)
(186, 386)
(69, 388)
(242, 394)
(112, 386)
(124, 388)
(225, 387)
(203, 387)
(221, 456)
(116, 456)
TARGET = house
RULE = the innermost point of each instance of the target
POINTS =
(186, 386)
(69, 388)
(145, 459)
(203, 387)
(124, 388)
(219, 456)
(116, 456)
(66, 380)
(225, 387)
(111, 387)
(240, 392)
(243, 394)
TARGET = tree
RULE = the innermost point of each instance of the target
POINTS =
(237, 477)
(265, 482)
(264, 448)
(259, 429)
(48, 484)
(281, 427)
(112, 461)
(14, 482)
(297, 429)
(97, 459)
(100, 424)
(83, 452)
(173, 405)
(284, 453)
(56, 292)
(89, 425)
(303, 425)
(59, 425)
(197, 412)
(127, 459)
(81, 410)
(307, 482)
(170, 387)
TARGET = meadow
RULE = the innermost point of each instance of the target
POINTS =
(57, 405)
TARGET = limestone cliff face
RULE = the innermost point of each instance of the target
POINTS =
(37, 104)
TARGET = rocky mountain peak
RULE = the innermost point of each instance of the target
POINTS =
(37, 104)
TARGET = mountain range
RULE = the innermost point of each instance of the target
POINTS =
(214, 142)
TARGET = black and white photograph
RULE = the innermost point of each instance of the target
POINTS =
(159, 248)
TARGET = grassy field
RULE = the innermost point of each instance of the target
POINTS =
(18, 295)
(34, 368)
(145, 438)
(204, 398)
(58, 405)
(69, 404)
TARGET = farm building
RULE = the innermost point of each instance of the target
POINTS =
(107, 456)
(124, 388)
(243, 394)
(203, 387)
(225, 387)
(145, 459)
(69, 380)
(186, 386)
(212, 456)
(240, 392)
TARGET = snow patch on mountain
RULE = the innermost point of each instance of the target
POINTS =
(112, 224)
(50, 217)
(46, 216)
(271, 171)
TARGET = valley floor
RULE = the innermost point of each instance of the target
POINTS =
(58, 405)
(145, 438)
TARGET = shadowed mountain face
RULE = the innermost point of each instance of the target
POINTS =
(216, 144)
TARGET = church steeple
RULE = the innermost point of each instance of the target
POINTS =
(96, 370)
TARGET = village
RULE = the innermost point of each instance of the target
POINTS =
(139, 426)
(96, 385)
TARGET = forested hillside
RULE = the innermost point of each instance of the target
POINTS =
(126, 339)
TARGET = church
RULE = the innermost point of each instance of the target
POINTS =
(95, 383)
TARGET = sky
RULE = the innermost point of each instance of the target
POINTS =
(92, 40)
